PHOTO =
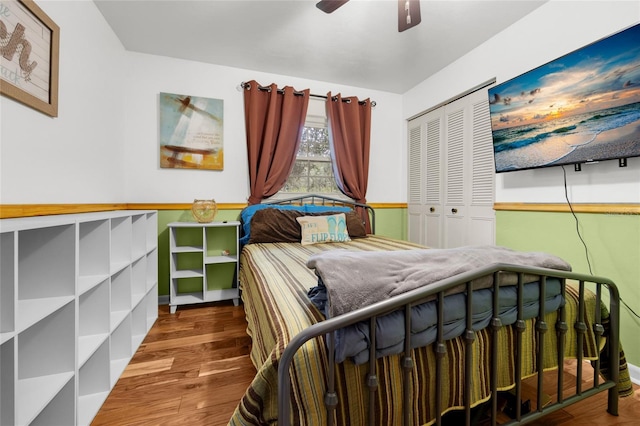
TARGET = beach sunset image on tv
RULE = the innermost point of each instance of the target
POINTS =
(584, 106)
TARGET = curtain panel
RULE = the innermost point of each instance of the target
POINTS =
(350, 137)
(274, 119)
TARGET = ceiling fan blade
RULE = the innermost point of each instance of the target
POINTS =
(328, 6)
(408, 14)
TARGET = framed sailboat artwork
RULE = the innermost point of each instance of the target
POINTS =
(191, 132)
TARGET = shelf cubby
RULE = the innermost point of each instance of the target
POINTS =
(219, 239)
(138, 236)
(60, 410)
(7, 380)
(46, 362)
(120, 242)
(94, 321)
(152, 231)
(93, 263)
(138, 324)
(222, 286)
(54, 337)
(7, 285)
(120, 296)
(121, 349)
(152, 306)
(94, 384)
(138, 280)
(46, 262)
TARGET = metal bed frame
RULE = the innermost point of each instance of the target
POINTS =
(407, 300)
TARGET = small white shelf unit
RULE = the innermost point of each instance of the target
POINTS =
(78, 293)
(203, 262)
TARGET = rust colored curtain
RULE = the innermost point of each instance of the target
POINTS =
(274, 119)
(350, 138)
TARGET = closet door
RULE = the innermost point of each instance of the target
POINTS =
(433, 179)
(425, 188)
(451, 175)
(455, 166)
(482, 217)
(415, 204)
(469, 218)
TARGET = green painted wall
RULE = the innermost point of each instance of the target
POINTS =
(389, 222)
(613, 242)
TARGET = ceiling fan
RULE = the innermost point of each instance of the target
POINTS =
(408, 11)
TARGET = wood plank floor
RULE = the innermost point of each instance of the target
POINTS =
(193, 368)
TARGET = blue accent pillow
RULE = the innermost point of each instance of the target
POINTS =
(247, 214)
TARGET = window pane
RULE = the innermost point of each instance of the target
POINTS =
(295, 184)
(320, 168)
(303, 149)
(322, 185)
(312, 171)
(300, 168)
(318, 143)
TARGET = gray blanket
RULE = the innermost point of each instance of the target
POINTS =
(357, 279)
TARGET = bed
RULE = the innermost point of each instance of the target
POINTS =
(318, 363)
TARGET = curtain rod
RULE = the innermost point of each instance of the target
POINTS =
(245, 85)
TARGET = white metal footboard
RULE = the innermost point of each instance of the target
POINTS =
(407, 300)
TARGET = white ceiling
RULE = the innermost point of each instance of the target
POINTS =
(357, 45)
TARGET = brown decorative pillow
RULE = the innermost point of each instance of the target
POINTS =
(272, 225)
(275, 226)
(355, 225)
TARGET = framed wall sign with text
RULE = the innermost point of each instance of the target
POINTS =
(29, 50)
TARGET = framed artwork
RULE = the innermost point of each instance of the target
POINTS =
(29, 52)
(191, 132)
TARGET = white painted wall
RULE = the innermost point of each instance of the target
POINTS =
(103, 147)
(553, 30)
(149, 75)
(76, 157)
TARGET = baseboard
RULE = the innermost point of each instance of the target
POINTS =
(163, 299)
(634, 372)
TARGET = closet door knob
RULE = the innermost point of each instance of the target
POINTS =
(432, 209)
(454, 211)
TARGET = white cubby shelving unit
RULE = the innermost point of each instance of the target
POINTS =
(203, 262)
(78, 294)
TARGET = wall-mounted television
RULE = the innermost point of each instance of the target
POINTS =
(582, 107)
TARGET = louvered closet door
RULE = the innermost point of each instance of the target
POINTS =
(455, 212)
(425, 189)
(451, 175)
(433, 179)
(415, 205)
(482, 218)
(469, 218)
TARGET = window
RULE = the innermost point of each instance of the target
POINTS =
(312, 171)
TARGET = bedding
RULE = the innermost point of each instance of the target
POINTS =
(377, 276)
(275, 282)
